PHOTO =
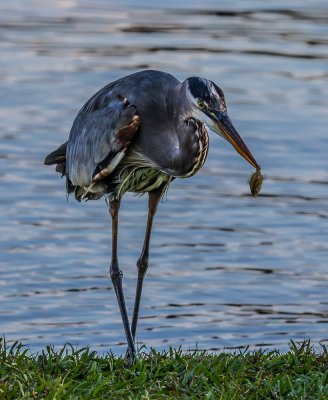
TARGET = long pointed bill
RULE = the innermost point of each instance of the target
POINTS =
(228, 131)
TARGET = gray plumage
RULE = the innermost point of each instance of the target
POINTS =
(138, 134)
(166, 145)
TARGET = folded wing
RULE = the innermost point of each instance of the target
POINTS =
(99, 140)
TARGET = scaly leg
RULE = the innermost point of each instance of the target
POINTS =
(116, 276)
(142, 263)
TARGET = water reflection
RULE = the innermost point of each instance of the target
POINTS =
(226, 270)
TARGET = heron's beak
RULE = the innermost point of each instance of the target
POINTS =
(223, 126)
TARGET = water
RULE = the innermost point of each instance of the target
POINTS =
(227, 270)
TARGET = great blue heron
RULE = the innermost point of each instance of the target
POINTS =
(137, 134)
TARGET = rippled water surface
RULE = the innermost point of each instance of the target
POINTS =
(227, 270)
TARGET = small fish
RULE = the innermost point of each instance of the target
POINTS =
(255, 182)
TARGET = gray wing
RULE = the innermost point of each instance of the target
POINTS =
(99, 139)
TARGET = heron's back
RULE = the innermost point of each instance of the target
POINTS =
(165, 146)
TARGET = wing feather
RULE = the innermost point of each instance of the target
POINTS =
(99, 139)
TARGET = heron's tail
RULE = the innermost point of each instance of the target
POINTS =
(58, 157)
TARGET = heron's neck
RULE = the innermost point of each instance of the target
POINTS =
(183, 108)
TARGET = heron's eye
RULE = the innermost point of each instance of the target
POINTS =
(201, 105)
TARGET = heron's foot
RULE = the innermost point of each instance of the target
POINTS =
(130, 359)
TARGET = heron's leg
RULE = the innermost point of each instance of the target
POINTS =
(116, 276)
(142, 263)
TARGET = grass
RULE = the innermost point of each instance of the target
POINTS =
(300, 373)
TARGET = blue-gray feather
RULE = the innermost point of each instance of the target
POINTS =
(167, 144)
(93, 138)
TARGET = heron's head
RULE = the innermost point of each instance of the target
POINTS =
(209, 106)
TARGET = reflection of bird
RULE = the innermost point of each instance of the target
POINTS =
(137, 134)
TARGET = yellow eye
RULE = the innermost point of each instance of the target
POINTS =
(201, 105)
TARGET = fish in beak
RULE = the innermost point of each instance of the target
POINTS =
(224, 127)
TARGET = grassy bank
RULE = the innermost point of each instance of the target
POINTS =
(299, 373)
